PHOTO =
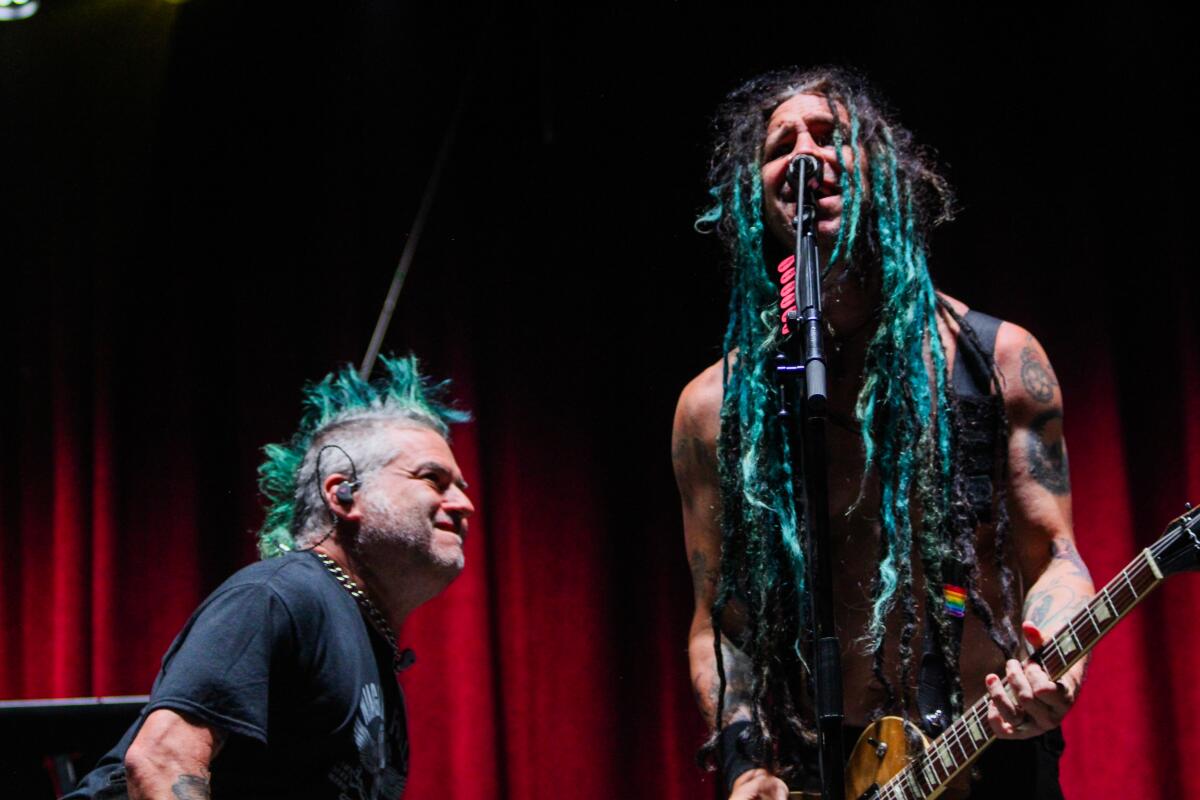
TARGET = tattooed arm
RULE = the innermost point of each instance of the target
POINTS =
(694, 454)
(170, 757)
(1039, 493)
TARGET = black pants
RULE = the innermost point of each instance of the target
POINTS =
(1026, 768)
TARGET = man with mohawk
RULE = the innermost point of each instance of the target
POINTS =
(282, 683)
(949, 494)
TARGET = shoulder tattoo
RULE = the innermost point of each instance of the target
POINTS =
(1037, 378)
(1047, 456)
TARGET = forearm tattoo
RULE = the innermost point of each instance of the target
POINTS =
(1047, 454)
(693, 461)
(704, 577)
(1037, 377)
(1062, 549)
(737, 683)
(191, 787)
(737, 703)
(1051, 607)
(706, 697)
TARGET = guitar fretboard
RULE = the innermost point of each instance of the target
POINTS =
(966, 738)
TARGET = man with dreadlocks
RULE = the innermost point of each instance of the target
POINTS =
(948, 485)
(282, 684)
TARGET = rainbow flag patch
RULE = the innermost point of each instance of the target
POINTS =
(956, 600)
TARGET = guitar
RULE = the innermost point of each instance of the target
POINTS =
(881, 767)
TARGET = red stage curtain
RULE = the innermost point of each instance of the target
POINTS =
(187, 256)
(556, 664)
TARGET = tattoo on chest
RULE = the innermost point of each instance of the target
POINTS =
(1036, 377)
(1047, 455)
(191, 787)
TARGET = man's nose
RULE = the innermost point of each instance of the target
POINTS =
(458, 503)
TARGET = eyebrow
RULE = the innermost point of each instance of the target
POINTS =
(789, 125)
(435, 466)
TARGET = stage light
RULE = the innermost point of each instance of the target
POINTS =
(17, 9)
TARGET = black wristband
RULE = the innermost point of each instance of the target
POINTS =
(734, 753)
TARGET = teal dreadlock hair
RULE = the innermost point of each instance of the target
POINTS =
(341, 400)
(907, 417)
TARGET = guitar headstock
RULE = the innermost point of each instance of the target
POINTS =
(1178, 550)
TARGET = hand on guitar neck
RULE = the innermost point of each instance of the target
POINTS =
(1030, 703)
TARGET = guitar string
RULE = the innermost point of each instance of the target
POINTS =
(1136, 569)
(908, 775)
(959, 731)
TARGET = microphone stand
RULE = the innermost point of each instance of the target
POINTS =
(804, 396)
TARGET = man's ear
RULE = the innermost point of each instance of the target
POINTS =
(339, 490)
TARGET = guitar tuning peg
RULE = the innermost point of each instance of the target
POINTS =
(1187, 506)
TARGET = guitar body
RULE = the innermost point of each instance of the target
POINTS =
(880, 753)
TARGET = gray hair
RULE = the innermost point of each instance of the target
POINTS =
(357, 446)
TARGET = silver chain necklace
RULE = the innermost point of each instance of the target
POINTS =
(401, 660)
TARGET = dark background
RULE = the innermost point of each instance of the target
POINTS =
(203, 205)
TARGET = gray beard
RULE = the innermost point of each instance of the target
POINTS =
(385, 528)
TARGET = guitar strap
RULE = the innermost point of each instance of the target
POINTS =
(975, 452)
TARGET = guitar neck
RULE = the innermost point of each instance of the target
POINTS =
(927, 774)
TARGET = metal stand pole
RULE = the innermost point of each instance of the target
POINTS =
(802, 365)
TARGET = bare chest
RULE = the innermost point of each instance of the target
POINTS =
(856, 550)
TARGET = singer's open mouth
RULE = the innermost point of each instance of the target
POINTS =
(788, 195)
(790, 206)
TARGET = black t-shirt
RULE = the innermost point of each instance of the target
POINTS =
(280, 658)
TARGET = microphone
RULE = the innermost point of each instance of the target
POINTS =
(812, 169)
(788, 295)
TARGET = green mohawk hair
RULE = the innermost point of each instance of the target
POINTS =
(338, 397)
